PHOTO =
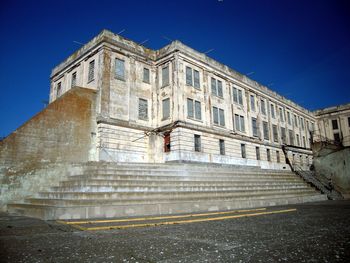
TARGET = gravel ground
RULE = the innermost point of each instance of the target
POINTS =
(316, 232)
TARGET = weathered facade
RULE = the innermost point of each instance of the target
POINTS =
(177, 104)
(333, 124)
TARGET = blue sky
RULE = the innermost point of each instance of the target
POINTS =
(301, 49)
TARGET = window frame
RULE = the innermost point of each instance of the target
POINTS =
(148, 80)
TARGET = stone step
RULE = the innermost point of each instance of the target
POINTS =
(140, 183)
(103, 210)
(169, 187)
(160, 195)
(136, 171)
(181, 177)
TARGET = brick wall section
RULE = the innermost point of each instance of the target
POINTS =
(59, 133)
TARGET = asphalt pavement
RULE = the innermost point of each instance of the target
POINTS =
(312, 232)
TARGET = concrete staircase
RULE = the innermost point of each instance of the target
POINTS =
(105, 190)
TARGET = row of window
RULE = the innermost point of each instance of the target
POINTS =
(198, 148)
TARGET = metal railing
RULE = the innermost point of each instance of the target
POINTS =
(323, 184)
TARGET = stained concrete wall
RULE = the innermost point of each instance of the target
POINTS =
(336, 167)
(62, 132)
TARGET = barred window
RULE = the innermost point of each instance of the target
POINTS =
(166, 108)
(165, 76)
(91, 73)
(237, 96)
(58, 89)
(283, 135)
(291, 137)
(143, 109)
(146, 77)
(74, 79)
(281, 115)
(262, 106)
(252, 102)
(275, 133)
(266, 130)
(222, 146)
(216, 87)
(189, 78)
(257, 152)
(239, 123)
(268, 155)
(120, 69)
(219, 116)
(190, 113)
(197, 143)
(197, 110)
(272, 111)
(255, 127)
(243, 152)
(196, 81)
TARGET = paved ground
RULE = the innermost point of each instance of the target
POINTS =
(317, 232)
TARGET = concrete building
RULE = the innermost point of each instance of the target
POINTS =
(123, 119)
(333, 124)
(177, 104)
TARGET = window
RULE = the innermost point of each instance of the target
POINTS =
(281, 115)
(120, 69)
(146, 77)
(275, 133)
(304, 142)
(302, 123)
(243, 150)
(252, 103)
(312, 126)
(307, 126)
(278, 156)
(237, 96)
(283, 135)
(58, 89)
(255, 127)
(197, 143)
(192, 77)
(91, 73)
(288, 117)
(216, 87)
(257, 152)
(295, 120)
(165, 76)
(222, 146)
(336, 137)
(268, 155)
(291, 137)
(143, 109)
(239, 123)
(335, 124)
(218, 116)
(194, 109)
(298, 140)
(166, 108)
(262, 106)
(266, 130)
(272, 111)
(74, 79)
